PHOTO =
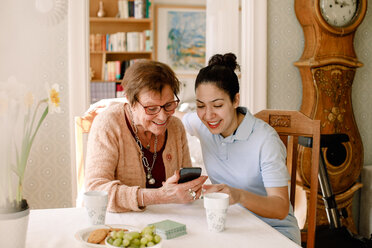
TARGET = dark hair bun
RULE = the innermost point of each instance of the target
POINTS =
(228, 60)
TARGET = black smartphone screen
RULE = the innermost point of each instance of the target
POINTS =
(189, 174)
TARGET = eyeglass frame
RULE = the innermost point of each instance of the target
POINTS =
(161, 106)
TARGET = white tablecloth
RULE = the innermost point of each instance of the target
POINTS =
(57, 227)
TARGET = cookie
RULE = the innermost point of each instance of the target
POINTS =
(97, 236)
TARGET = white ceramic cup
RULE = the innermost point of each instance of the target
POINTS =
(95, 203)
(216, 205)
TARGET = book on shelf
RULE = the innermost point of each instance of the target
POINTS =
(147, 9)
(133, 41)
(131, 8)
(117, 70)
(123, 9)
(112, 71)
(134, 8)
(139, 9)
(122, 42)
(148, 40)
(97, 42)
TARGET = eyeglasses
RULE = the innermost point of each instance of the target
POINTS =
(155, 109)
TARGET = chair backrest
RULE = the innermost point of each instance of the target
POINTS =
(82, 126)
(290, 125)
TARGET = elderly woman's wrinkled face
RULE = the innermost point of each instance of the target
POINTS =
(157, 123)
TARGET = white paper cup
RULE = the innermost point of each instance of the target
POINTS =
(95, 203)
(216, 205)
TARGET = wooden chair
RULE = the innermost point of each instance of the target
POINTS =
(291, 125)
(82, 126)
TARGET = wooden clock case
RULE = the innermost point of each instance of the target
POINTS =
(327, 67)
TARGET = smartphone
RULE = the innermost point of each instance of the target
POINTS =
(189, 174)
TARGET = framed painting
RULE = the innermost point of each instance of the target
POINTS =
(180, 33)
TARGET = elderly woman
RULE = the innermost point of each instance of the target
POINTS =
(136, 148)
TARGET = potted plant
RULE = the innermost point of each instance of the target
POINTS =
(20, 121)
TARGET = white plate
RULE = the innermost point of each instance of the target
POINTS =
(83, 234)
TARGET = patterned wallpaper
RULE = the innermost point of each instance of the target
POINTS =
(285, 46)
(48, 177)
(39, 55)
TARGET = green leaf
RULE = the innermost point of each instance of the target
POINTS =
(14, 169)
(39, 124)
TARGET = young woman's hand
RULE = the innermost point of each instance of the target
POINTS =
(172, 192)
(223, 188)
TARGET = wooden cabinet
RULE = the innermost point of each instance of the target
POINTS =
(111, 24)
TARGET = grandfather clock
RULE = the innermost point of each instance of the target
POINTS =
(327, 67)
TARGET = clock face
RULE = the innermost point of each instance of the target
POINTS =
(339, 13)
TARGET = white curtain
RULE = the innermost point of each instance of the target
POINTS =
(245, 34)
(254, 55)
(222, 35)
(79, 90)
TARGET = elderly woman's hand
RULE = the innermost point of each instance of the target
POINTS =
(173, 192)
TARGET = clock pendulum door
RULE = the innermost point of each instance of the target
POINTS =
(327, 67)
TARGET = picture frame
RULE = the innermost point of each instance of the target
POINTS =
(179, 37)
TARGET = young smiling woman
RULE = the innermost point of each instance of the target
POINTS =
(216, 110)
(244, 156)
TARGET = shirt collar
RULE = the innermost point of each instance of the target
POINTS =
(244, 129)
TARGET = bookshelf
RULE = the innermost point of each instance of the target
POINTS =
(117, 38)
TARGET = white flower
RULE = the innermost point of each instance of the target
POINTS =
(54, 99)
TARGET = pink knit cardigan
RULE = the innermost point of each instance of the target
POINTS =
(113, 161)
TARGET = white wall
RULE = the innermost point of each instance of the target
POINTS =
(33, 49)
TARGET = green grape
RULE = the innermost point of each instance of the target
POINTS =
(147, 230)
(113, 234)
(157, 238)
(144, 241)
(126, 242)
(128, 236)
(110, 240)
(117, 242)
(135, 242)
(120, 234)
(148, 236)
(150, 244)
(135, 235)
(143, 246)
